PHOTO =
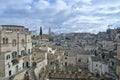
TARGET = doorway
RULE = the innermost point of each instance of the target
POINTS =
(10, 73)
(23, 65)
(65, 63)
(27, 64)
(16, 68)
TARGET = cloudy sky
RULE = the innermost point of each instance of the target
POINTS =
(63, 16)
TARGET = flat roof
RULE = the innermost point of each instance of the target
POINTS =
(12, 26)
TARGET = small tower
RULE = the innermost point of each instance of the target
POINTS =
(49, 37)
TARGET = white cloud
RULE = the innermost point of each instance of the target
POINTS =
(18, 1)
(61, 5)
(86, 1)
(107, 11)
(62, 15)
(42, 4)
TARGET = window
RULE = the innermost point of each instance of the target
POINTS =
(3, 40)
(6, 40)
(87, 60)
(7, 57)
(119, 37)
(65, 57)
(27, 64)
(17, 29)
(23, 65)
(28, 51)
(22, 41)
(10, 73)
(65, 63)
(14, 42)
(14, 54)
(112, 63)
(22, 53)
(79, 60)
(96, 65)
(31, 51)
(8, 65)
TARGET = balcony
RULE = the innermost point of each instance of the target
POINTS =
(15, 61)
(19, 56)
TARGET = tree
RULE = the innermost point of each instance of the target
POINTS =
(40, 32)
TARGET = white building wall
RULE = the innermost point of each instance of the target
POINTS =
(105, 68)
(9, 48)
(90, 64)
(39, 66)
(51, 50)
(83, 58)
(12, 67)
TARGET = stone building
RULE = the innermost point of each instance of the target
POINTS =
(14, 28)
(118, 70)
(97, 65)
(76, 57)
(82, 59)
(69, 58)
(118, 57)
(15, 50)
(118, 53)
(39, 60)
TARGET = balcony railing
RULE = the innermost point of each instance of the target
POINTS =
(15, 61)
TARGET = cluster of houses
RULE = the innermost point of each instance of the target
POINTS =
(23, 51)
(18, 53)
(96, 53)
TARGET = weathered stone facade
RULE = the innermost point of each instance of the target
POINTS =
(15, 52)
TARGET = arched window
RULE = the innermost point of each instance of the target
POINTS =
(14, 42)
(22, 53)
(4, 41)
(14, 54)
(7, 57)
